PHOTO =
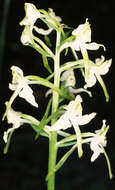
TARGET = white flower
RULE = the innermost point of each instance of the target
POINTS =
(13, 118)
(83, 38)
(32, 14)
(73, 117)
(20, 86)
(99, 142)
(52, 14)
(101, 67)
(73, 113)
(69, 77)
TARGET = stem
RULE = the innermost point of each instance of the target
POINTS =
(86, 61)
(53, 139)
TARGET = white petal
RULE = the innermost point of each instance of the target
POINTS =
(52, 14)
(13, 87)
(26, 38)
(27, 94)
(62, 123)
(96, 148)
(17, 71)
(79, 90)
(104, 68)
(91, 81)
(93, 46)
(82, 120)
(83, 32)
(32, 14)
(69, 77)
(42, 31)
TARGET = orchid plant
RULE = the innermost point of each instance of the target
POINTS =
(64, 109)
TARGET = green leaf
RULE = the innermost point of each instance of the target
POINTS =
(38, 48)
(61, 162)
(45, 62)
(69, 39)
(48, 42)
(44, 120)
(36, 129)
(41, 81)
(34, 123)
(68, 139)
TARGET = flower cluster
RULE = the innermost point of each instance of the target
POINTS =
(58, 115)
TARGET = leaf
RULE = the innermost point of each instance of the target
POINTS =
(61, 162)
(43, 121)
(47, 39)
(41, 81)
(45, 62)
(36, 129)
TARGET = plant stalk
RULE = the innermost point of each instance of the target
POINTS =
(53, 138)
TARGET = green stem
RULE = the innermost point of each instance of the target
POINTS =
(103, 86)
(86, 61)
(53, 139)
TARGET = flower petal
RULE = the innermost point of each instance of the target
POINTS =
(27, 94)
(62, 123)
(94, 46)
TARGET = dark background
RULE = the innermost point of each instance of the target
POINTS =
(25, 165)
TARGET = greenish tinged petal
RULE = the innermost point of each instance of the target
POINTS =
(32, 14)
(69, 77)
(26, 37)
(83, 32)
